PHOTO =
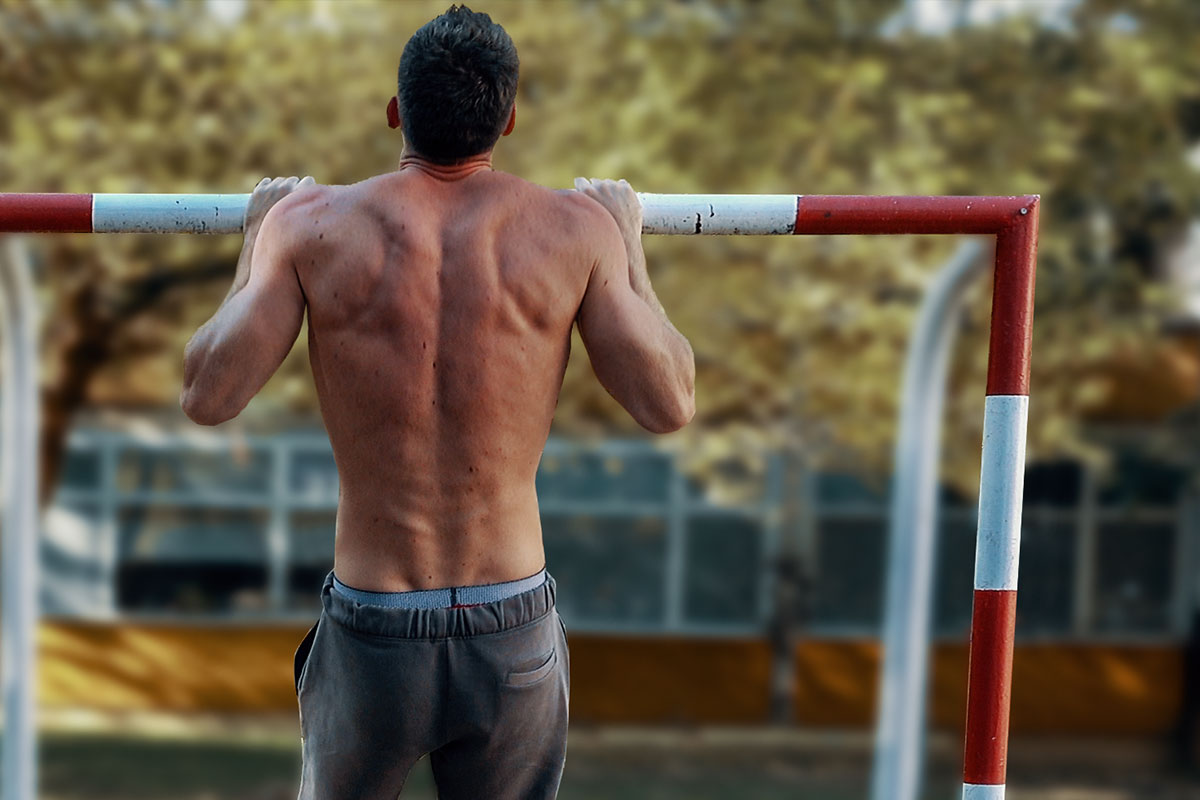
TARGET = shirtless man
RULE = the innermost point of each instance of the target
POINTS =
(440, 302)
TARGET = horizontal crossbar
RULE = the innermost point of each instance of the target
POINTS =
(671, 214)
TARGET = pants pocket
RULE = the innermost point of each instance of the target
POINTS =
(562, 626)
(544, 665)
(300, 659)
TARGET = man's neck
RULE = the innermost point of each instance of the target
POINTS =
(446, 172)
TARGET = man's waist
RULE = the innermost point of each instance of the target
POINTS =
(444, 597)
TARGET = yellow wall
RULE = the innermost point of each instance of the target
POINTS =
(1066, 688)
(1057, 688)
(167, 667)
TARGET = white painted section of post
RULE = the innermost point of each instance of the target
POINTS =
(979, 791)
(1001, 491)
(749, 214)
(169, 213)
(912, 534)
(19, 494)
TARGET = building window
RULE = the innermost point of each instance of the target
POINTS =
(246, 527)
(850, 572)
(725, 564)
(610, 567)
(191, 560)
(311, 559)
(1134, 576)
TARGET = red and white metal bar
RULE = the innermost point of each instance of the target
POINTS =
(1012, 219)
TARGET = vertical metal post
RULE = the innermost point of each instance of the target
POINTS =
(793, 562)
(278, 543)
(19, 493)
(1083, 606)
(912, 534)
(1185, 557)
(1190, 580)
(673, 586)
(1001, 492)
(772, 541)
(808, 539)
(109, 545)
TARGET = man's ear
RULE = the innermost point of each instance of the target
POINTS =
(393, 113)
(512, 121)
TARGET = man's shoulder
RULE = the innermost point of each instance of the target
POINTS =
(568, 201)
(582, 215)
(302, 202)
(318, 209)
(589, 218)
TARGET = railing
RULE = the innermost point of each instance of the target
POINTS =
(1076, 542)
(111, 475)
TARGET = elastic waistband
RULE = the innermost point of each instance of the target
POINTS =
(464, 619)
(442, 598)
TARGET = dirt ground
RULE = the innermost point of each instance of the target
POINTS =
(140, 757)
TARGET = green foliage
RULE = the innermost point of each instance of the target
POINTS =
(798, 342)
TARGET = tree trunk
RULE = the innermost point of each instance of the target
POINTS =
(97, 324)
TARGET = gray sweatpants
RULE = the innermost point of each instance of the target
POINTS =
(482, 689)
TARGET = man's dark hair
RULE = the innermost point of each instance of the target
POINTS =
(457, 83)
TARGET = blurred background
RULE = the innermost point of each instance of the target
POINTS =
(723, 586)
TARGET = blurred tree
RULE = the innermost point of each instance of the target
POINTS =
(799, 343)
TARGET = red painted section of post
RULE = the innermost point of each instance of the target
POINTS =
(865, 214)
(989, 687)
(45, 213)
(1012, 305)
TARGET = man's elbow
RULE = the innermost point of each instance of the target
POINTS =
(683, 412)
(201, 409)
(680, 407)
(670, 417)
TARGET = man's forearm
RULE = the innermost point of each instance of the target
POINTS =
(201, 338)
(639, 278)
(242, 274)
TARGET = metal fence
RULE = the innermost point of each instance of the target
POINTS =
(209, 526)
(212, 526)
(1104, 555)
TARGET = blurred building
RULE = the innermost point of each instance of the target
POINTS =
(181, 570)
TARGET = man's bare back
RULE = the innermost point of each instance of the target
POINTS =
(440, 302)
(439, 315)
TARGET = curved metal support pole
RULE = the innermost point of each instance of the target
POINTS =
(912, 534)
(19, 479)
